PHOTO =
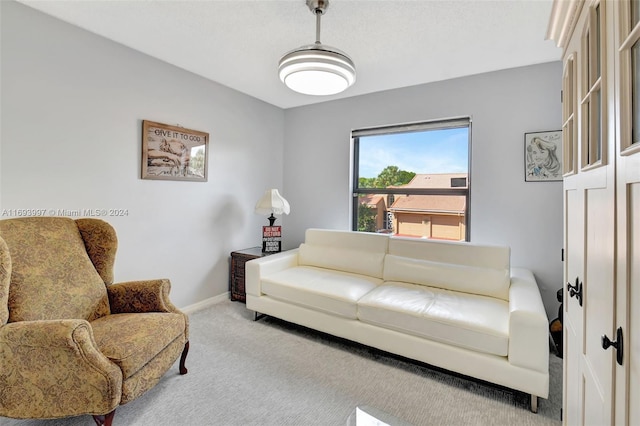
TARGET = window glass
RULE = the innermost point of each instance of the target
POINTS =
(568, 117)
(635, 92)
(598, 125)
(394, 159)
(587, 56)
(597, 42)
(592, 139)
(413, 180)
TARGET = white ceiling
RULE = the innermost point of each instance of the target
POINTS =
(393, 43)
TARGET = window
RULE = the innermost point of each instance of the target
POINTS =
(413, 179)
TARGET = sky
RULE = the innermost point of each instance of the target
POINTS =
(432, 151)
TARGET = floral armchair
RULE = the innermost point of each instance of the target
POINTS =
(71, 341)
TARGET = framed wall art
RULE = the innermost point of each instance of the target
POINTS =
(543, 156)
(173, 152)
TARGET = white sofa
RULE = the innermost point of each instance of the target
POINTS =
(455, 305)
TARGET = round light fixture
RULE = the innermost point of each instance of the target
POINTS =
(317, 69)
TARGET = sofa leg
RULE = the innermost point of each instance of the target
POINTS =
(257, 316)
(534, 403)
(104, 420)
(183, 357)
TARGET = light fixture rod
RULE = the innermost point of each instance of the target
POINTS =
(318, 7)
(318, 17)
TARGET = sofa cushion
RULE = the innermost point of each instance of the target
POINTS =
(347, 260)
(470, 321)
(320, 289)
(348, 251)
(470, 268)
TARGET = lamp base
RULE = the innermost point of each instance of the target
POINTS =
(272, 219)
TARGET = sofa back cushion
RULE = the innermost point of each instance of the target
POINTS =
(348, 251)
(465, 267)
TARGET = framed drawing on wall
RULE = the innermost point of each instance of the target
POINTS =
(173, 152)
(543, 156)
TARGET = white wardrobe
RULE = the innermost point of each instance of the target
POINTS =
(601, 137)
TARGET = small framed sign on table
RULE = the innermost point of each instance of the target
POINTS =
(271, 239)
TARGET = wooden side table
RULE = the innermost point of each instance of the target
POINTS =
(236, 271)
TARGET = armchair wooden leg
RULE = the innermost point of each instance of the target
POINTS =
(183, 369)
(105, 420)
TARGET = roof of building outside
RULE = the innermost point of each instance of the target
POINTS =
(437, 180)
(371, 200)
(421, 203)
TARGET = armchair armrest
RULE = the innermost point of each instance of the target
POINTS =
(48, 367)
(141, 296)
(528, 323)
(256, 269)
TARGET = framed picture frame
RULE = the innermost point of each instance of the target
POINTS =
(174, 152)
(543, 156)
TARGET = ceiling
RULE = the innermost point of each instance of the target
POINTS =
(393, 43)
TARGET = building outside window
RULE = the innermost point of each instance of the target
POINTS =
(413, 179)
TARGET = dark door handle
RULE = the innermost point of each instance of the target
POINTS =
(575, 290)
(618, 344)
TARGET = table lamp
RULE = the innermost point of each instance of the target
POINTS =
(272, 203)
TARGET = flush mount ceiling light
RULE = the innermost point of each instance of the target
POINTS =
(317, 69)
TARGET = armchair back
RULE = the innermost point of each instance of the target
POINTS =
(5, 276)
(50, 272)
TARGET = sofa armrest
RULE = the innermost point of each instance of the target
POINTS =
(38, 356)
(256, 269)
(528, 323)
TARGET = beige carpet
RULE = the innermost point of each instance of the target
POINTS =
(270, 372)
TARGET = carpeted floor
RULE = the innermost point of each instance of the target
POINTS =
(271, 372)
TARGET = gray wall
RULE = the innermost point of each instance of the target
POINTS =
(504, 208)
(72, 111)
(72, 107)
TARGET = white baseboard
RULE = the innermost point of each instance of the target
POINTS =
(205, 303)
